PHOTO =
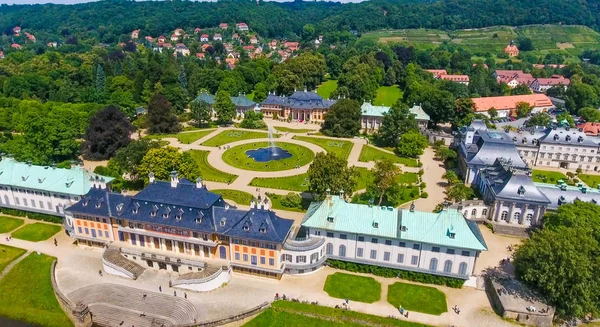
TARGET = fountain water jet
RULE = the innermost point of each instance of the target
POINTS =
(272, 147)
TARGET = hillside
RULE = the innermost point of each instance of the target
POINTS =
(570, 40)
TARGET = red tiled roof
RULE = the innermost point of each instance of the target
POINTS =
(510, 102)
(437, 72)
(553, 81)
(455, 78)
(592, 129)
(511, 48)
(204, 35)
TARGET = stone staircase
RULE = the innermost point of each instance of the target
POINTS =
(109, 316)
(511, 230)
(113, 258)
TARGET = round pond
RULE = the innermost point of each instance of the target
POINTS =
(258, 156)
(268, 154)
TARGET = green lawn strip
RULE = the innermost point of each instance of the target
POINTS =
(369, 153)
(208, 172)
(239, 197)
(590, 180)
(185, 138)
(326, 88)
(234, 135)
(27, 293)
(8, 224)
(8, 254)
(418, 298)
(36, 232)
(340, 316)
(353, 287)
(365, 176)
(298, 183)
(550, 177)
(294, 130)
(340, 148)
(278, 318)
(276, 203)
(237, 157)
(387, 95)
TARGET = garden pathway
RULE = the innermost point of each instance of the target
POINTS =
(13, 263)
(434, 170)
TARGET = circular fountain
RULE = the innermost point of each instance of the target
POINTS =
(270, 153)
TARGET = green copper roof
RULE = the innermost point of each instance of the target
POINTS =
(74, 181)
(368, 109)
(242, 101)
(208, 98)
(426, 227)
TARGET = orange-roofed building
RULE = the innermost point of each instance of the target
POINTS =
(437, 72)
(196, 30)
(135, 34)
(17, 30)
(591, 129)
(506, 105)
(150, 39)
(511, 50)
(162, 39)
(200, 55)
(461, 79)
(205, 46)
(223, 26)
(292, 46)
(16, 46)
(541, 85)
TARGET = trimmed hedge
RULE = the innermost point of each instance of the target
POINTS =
(32, 215)
(391, 273)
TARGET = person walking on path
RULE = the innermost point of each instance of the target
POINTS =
(55, 242)
(160, 289)
(185, 295)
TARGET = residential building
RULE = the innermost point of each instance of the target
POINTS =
(372, 116)
(511, 50)
(443, 243)
(506, 105)
(253, 40)
(217, 37)
(200, 55)
(135, 34)
(300, 106)
(197, 30)
(174, 38)
(16, 46)
(44, 189)
(541, 85)
(1, 54)
(242, 103)
(30, 37)
(590, 129)
(162, 39)
(52, 44)
(16, 30)
(223, 26)
(185, 223)
(443, 75)
(150, 39)
(242, 26)
(513, 78)
(204, 38)
(235, 36)
(182, 49)
(178, 32)
(292, 46)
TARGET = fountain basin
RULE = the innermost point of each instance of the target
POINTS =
(272, 153)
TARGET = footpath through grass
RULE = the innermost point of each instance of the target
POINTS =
(27, 293)
(208, 172)
(36, 232)
(239, 197)
(296, 314)
(369, 153)
(340, 148)
(417, 298)
(8, 254)
(353, 287)
(185, 138)
(234, 135)
(8, 224)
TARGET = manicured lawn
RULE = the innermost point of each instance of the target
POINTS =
(550, 177)
(237, 157)
(185, 138)
(36, 232)
(298, 183)
(276, 203)
(8, 254)
(27, 293)
(327, 88)
(290, 314)
(590, 180)
(239, 197)
(355, 288)
(208, 172)
(369, 153)
(235, 135)
(418, 298)
(8, 224)
(366, 176)
(294, 130)
(340, 148)
(387, 95)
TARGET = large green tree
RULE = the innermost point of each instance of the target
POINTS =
(162, 161)
(201, 112)
(161, 116)
(224, 107)
(386, 174)
(329, 171)
(128, 158)
(108, 130)
(342, 119)
(412, 144)
(397, 121)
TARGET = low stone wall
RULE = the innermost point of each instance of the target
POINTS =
(78, 313)
(222, 276)
(228, 320)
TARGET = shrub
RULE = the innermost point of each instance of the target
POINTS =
(421, 172)
(575, 180)
(390, 273)
(420, 164)
(32, 215)
(422, 185)
(291, 200)
(424, 195)
(570, 174)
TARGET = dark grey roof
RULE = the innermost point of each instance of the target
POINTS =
(528, 136)
(300, 100)
(512, 183)
(478, 124)
(492, 145)
(567, 136)
(273, 99)
(568, 194)
(185, 194)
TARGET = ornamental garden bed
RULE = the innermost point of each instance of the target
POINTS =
(238, 158)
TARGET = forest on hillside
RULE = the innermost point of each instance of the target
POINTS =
(112, 21)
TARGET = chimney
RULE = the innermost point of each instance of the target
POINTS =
(266, 204)
(412, 207)
(151, 177)
(198, 182)
(252, 203)
(174, 179)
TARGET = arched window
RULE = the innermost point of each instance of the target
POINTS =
(474, 213)
(484, 212)
(342, 250)
(329, 249)
(448, 266)
(529, 217)
(504, 215)
(465, 214)
(462, 268)
(516, 216)
(433, 264)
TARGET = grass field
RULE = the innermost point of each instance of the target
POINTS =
(590, 180)
(239, 197)
(276, 203)
(208, 172)
(353, 287)
(237, 157)
(185, 138)
(8, 224)
(234, 135)
(27, 293)
(8, 254)
(387, 95)
(369, 153)
(293, 130)
(327, 88)
(340, 148)
(36, 232)
(290, 314)
(547, 176)
(298, 183)
(366, 175)
(417, 298)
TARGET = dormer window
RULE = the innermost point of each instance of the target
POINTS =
(246, 227)
(86, 201)
(120, 207)
(452, 235)
(154, 210)
(136, 207)
(41, 180)
(99, 203)
(179, 214)
(403, 228)
(329, 219)
(166, 212)
(223, 221)
(24, 178)
(521, 190)
(198, 220)
(375, 225)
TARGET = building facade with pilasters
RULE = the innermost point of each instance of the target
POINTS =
(300, 106)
